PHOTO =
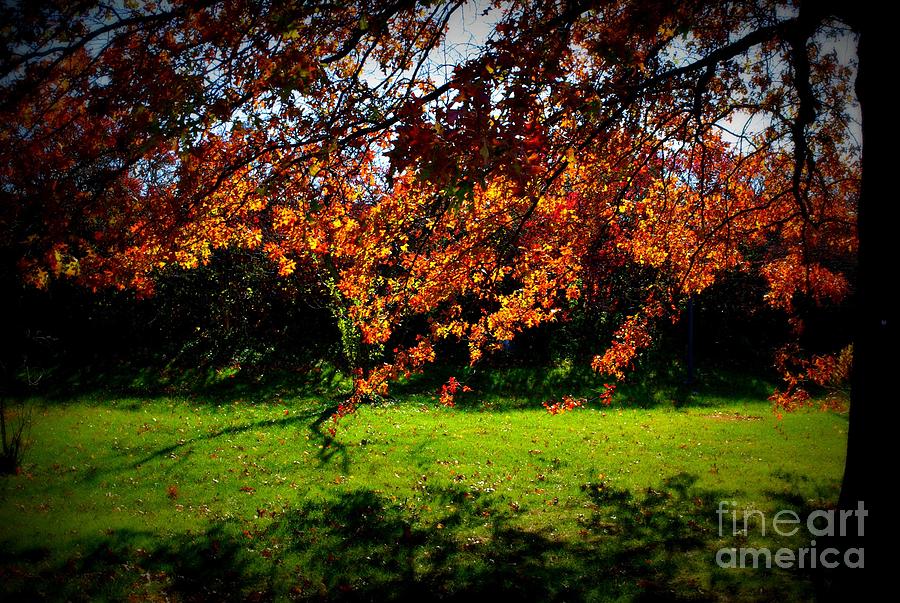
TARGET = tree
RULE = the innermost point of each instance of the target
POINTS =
(674, 142)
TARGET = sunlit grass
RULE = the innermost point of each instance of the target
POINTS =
(231, 496)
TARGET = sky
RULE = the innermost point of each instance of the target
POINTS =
(471, 25)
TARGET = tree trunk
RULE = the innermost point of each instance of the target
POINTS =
(874, 321)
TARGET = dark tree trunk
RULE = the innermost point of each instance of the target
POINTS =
(870, 417)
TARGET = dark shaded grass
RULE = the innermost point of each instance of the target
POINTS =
(359, 546)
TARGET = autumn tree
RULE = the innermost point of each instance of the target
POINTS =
(474, 196)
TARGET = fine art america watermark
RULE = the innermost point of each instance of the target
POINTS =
(820, 523)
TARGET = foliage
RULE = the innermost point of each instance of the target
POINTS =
(581, 154)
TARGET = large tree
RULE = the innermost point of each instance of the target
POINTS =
(451, 188)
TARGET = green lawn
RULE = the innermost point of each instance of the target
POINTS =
(242, 494)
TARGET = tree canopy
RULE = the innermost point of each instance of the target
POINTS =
(622, 154)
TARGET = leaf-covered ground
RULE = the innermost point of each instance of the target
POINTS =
(245, 495)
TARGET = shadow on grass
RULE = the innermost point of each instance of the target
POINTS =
(513, 388)
(321, 416)
(330, 449)
(831, 584)
(494, 388)
(134, 565)
(223, 385)
(447, 544)
(316, 420)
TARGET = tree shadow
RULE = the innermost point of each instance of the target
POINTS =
(220, 385)
(316, 420)
(494, 388)
(135, 565)
(330, 449)
(450, 544)
(236, 429)
(329, 446)
(526, 387)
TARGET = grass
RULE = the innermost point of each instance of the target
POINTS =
(241, 493)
